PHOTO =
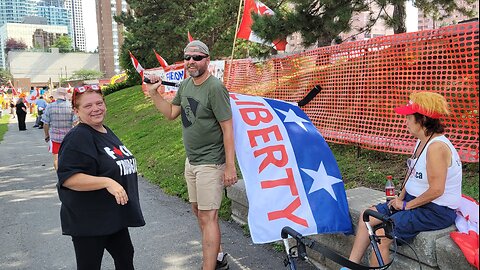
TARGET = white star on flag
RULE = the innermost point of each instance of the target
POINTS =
(291, 116)
(321, 180)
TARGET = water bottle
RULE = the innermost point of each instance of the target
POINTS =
(389, 188)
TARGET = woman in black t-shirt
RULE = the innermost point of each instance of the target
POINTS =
(98, 186)
(21, 111)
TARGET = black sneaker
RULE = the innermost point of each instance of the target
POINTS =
(223, 264)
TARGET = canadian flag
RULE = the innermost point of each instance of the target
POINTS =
(136, 64)
(33, 96)
(160, 59)
(190, 38)
(245, 29)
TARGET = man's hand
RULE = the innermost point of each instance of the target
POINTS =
(154, 84)
(230, 176)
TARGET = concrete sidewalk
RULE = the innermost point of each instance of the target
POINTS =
(31, 237)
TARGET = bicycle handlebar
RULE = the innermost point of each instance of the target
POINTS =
(377, 215)
(286, 231)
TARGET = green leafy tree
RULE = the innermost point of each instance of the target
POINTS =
(63, 43)
(86, 74)
(5, 76)
(321, 21)
(163, 26)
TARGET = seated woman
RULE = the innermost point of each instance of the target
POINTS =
(432, 187)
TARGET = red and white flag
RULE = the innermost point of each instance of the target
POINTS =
(136, 64)
(190, 38)
(14, 91)
(467, 235)
(35, 93)
(160, 59)
(245, 29)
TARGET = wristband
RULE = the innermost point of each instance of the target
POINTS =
(404, 205)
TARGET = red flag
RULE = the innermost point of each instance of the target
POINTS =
(245, 29)
(190, 38)
(160, 59)
(136, 64)
(14, 91)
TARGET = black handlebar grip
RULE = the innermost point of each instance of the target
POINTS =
(286, 231)
(375, 214)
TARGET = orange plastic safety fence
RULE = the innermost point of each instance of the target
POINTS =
(363, 81)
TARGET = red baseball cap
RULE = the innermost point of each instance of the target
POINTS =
(413, 107)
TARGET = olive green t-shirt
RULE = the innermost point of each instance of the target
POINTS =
(203, 108)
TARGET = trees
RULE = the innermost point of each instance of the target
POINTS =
(5, 76)
(320, 21)
(86, 74)
(63, 43)
(13, 44)
(163, 26)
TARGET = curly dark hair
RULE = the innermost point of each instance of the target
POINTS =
(432, 125)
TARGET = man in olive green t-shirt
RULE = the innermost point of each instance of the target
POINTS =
(204, 104)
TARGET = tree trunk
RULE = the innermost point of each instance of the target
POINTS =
(399, 17)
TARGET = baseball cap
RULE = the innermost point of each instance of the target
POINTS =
(197, 46)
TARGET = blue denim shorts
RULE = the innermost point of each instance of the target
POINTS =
(428, 217)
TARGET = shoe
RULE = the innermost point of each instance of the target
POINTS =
(223, 264)
(35, 126)
(40, 127)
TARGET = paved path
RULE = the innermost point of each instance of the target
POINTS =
(30, 234)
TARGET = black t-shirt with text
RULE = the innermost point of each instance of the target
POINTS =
(95, 213)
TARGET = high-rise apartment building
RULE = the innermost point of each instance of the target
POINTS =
(55, 12)
(427, 22)
(76, 21)
(13, 11)
(110, 38)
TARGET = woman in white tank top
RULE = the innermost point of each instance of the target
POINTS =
(432, 187)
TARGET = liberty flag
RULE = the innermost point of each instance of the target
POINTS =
(291, 176)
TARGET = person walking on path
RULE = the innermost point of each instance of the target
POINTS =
(98, 186)
(41, 105)
(21, 111)
(204, 104)
(58, 119)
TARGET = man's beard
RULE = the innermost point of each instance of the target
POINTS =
(197, 73)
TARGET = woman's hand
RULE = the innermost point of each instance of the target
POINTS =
(118, 191)
(396, 203)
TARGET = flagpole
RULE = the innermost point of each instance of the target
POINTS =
(235, 37)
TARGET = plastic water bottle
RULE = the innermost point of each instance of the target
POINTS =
(389, 188)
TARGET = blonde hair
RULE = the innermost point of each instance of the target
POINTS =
(430, 102)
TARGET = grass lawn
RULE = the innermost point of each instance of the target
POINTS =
(157, 146)
(4, 124)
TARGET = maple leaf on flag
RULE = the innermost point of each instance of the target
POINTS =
(245, 29)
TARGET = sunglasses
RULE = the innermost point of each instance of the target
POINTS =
(194, 57)
(82, 89)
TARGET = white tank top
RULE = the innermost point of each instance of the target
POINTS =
(417, 184)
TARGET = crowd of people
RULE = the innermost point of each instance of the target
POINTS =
(97, 174)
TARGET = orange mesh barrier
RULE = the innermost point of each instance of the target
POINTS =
(363, 81)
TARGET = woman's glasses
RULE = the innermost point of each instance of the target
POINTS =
(194, 57)
(82, 89)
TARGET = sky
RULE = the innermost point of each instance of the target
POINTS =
(90, 24)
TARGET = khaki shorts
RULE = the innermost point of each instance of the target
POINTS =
(205, 184)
